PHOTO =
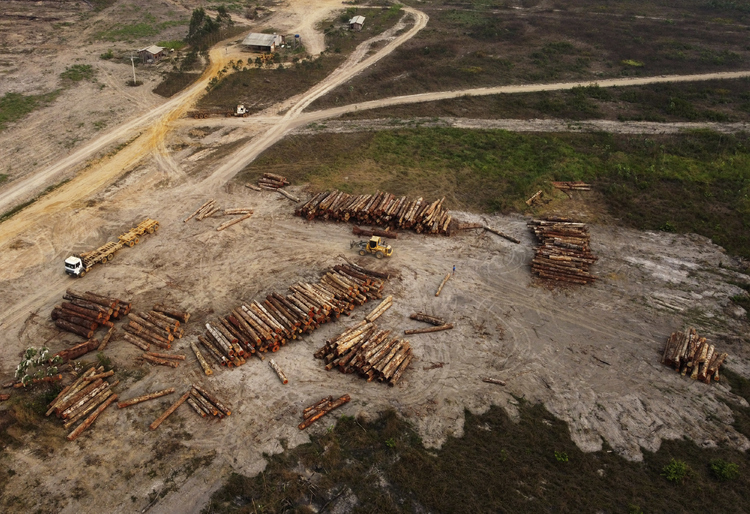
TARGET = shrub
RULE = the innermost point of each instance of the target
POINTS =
(561, 456)
(36, 365)
(107, 55)
(390, 443)
(675, 471)
(724, 470)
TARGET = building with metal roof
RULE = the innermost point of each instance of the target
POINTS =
(151, 53)
(263, 42)
(356, 23)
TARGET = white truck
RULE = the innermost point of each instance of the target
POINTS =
(79, 265)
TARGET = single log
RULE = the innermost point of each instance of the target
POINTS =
(172, 313)
(447, 326)
(76, 329)
(173, 323)
(278, 178)
(107, 311)
(195, 407)
(172, 356)
(442, 284)
(197, 211)
(106, 339)
(87, 423)
(145, 397)
(169, 411)
(136, 341)
(400, 371)
(432, 320)
(161, 362)
(211, 398)
(198, 355)
(502, 234)
(81, 311)
(85, 323)
(288, 195)
(253, 187)
(232, 222)
(323, 411)
(100, 375)
(494, 381)
(278, 371)
(94, 298)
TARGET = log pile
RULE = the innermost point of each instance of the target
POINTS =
(205, 404)
(204, 211)
(83, 400)
(272, 182)
(319, 409)
(692, 355)
(563, 253)
(439, 324)
(369, 232)
(158, 327)
(572, 186)
(267, 324)
(369, 351)
(84, 313)
(382, 209)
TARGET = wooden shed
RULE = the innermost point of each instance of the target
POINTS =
(357, 23)
(152, 53)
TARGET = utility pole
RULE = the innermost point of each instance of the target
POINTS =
(132, 61)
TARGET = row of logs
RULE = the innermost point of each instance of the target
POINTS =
(369, 351)
(159, 327)
(320, 408)
(692, 355)
(267, 324)
(204, 211)
(84, 313)
(563, 252)
(383, 209)
(369, 232)
(205, 404)
(84, 400)
(272, 181)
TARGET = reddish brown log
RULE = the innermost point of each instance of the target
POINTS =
(83, 426)
(323, 411)
(169, 411)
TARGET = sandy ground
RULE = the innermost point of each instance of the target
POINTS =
(548, 344)
(589, 354)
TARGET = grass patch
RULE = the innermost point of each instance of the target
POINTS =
(142, 30)
(18, 208)
(78, 72)
(14, 106)
(176, 44)
(503, 467)
(697, 182)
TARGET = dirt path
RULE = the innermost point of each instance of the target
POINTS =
(514, 125)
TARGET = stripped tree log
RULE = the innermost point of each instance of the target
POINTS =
(439, 328)
(169, 411)
(442, 284)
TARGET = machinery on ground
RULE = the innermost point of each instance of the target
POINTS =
(239, 112)
(79, 265)
(376, 246)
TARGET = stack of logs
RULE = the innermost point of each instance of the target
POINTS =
(268, 324)
(204, 211)
(84, 399)
(369, 232)
(319, 409)
(206, 404)
(367, 350)
(158, 327)
(84, 313)
(692, 355)
(383, 209)
(563, 253)
(272, 182)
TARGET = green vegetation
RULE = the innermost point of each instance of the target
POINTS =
(14, 106)
(135, 31)
(3, 177)
(175, 44)
(78, 72)
(724, 470)
(468, 475)
(675, 471)
(202, 25)
(695, 182)
(18, 208)
(107, 55)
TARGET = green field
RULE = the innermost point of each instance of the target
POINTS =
(14, 106)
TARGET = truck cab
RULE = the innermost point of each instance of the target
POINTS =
(74, 266)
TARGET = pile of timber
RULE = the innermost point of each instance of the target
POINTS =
(368, 350)
(267, 324)
(272, 182)
(158, 327)
(572, 186)
(319, 409)
(369, 232)
(563, 253)
(204, 211)
(383, 209)
(84, 313)
(439, 324)
(692, 355)
(205, 404)
(84, 400)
